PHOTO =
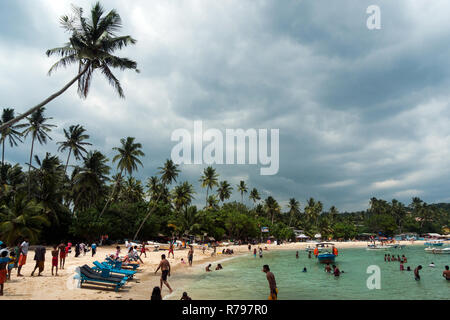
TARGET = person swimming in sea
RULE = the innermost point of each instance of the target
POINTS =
(304, 269)
(328, 268)
(336, 271)
(219, 267)
(446, 273)
(207, 269)
(432, 265)
(296, 255)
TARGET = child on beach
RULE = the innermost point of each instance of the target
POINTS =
(12, 263)
(143, 250)
(55, 252)
(62, 254)
(254, 252)
(4, 260)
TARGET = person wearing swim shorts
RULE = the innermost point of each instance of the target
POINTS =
(55, 252)
(190, 255)
(39, 257)
(272, 283)
(164, 265)
(23, 256)
(62, 254)
(416, 273)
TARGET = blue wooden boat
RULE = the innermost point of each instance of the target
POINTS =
(325, 252)
(434, 243)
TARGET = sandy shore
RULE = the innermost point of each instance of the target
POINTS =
(63, 287)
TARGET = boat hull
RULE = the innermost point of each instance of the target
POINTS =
(434, 244)
(326, 258)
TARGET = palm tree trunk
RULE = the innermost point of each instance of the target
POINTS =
(43, 103)
(206, 202)
(111, 195)
(148, 215)
(67, 162)
(3, 153)
(29, 167)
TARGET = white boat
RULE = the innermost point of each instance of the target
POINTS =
(434, 243)
(377, 247)
(438, 250)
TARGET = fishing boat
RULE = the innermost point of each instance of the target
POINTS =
(434, 243)
(437, 250)
(325, 252)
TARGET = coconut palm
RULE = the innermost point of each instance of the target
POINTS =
(11, 134)
(89, 180)
(209, 180)
(224, 191)
(74, 142)
(92, 44)
(212, 202)
(169, 173)
(128, 159)
(272, 207)
(183, 195)
(242, 188)
(294, 209)
(254, 195)
(21, 219)
(38, 129)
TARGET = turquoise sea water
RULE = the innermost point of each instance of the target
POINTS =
(242, 277)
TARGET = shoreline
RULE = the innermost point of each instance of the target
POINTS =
(63, 286)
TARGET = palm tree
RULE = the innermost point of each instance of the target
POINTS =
(254, 196)
(89, 180)
(209, 180)
(74, 142)
(212, 202)
(183, 195)
(224, 191)
(169, 173)
(22, 219)
(38, 129)
(271, 207)
(242, 188)
(128, 157)
(9, 133)
(91, 45)
(294, 209)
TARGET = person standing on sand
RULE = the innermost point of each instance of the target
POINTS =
(143, 250)
(190, 255)
(4, 260)
(416, 273)
(23, 255)
(55, 252)
(164, 265)
(62, 254)
(39, 256)
(171, 250)
(272, 283)
(94, 248)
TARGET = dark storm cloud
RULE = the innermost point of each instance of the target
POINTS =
(361, 113)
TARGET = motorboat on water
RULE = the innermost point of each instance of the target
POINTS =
(437, 250)
(325, 252)
(434, 243)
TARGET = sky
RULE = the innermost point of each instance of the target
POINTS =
(361, 113)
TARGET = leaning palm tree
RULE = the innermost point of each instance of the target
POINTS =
(74, 142)
(38, 129)
(242, 188)
(169, 173)
(254, 195)
(209, 180)
(224, 191)
(11, 134)
(128, 159)
(92, 44)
